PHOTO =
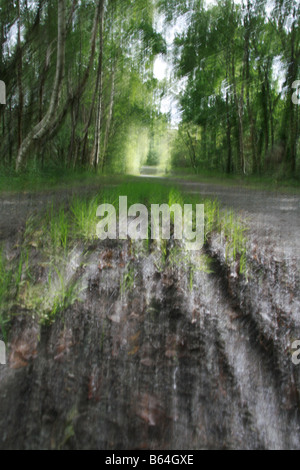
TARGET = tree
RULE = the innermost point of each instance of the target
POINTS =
(45, 124)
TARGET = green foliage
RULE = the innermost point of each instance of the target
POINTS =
(237, 63)
(127, 279)
(59, 227)
(233, 229)
(84, 218)
(128, 48)
(11, 282)
(50, 298)
(6, 278)
(61, 295)
(152, 158)
(233, 105)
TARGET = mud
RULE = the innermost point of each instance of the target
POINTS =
(152, 360)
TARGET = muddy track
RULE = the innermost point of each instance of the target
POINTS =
(156, 366)
(274, 218)
(161, 364)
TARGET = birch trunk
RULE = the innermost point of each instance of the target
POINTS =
(19, 79)
(95, 155)
(109, 117)
(44, 125)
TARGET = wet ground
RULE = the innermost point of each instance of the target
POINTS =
(166, 361)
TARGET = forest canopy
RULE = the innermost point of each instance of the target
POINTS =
(81, 90)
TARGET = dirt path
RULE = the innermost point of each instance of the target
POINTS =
(274, 219)
(16, 208)
(171, 361)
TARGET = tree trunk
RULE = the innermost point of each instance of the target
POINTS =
(238, 100)
(44, 125)
(228, 134)
(192, 152)
(76, 95)
(109, 117)
(292, 77)
(90, 115)
(95, 155)
(43, 80)
(248, 25)
(19, 79)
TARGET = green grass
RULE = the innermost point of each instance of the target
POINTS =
(56, 178)
(63, 296)
(58, 222)
(34, 180)
(63, 227)
(83, 218)
(234, 229)
(127, 279)
(6, 277)
(49, 299)
(11, 281)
